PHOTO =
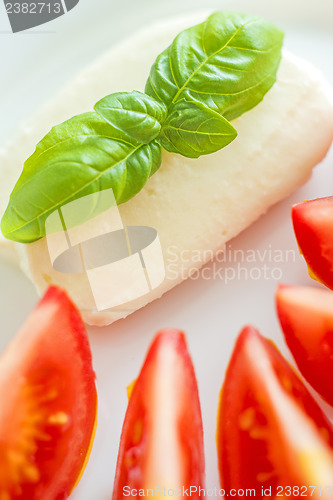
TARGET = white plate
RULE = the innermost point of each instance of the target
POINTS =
(34, 65)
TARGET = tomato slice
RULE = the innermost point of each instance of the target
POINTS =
(48, 403)
(162, 439)
(313, 226)
(271, 433)
(306, 317)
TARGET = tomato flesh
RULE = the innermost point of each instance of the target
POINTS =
(306, 318)
(48, 403)
(162, 438)
(268, 422)
(313, 226)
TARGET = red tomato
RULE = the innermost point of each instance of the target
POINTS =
(271, 433)
(313, 226)
(48, 403)
(306, 317)
(162, 438)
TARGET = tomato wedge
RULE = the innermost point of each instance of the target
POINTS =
(162, 439)
(313, 226)
(48, 403)
(306, 318)
(271, 434)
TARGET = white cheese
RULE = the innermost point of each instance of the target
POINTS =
(195, 205)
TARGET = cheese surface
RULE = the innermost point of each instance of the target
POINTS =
(194, 205)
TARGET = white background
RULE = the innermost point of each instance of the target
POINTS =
(34, 66)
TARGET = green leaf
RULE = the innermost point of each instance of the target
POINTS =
(77, 158)
(136, 115)
(228, 63)
(192, 130)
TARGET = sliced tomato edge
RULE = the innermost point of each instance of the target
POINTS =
(59, 298)
(178, 338)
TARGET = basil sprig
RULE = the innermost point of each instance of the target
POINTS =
(210, 74)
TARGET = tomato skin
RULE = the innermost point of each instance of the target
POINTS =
(48, 419)
(313, 226)
(266, 416)
(162, 438)
(306, 318)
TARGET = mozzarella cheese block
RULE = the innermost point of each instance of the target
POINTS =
(194, 205)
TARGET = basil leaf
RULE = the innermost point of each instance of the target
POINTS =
(137, 115)
(228, 62)
(192, 130)
(79, 157)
